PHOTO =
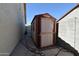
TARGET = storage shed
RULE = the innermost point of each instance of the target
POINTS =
(44, 30)
(69, 27)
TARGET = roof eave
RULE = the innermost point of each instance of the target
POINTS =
(69, 12)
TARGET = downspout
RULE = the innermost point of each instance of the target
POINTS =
(75, 32)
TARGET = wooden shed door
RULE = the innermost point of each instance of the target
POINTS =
(46, 32)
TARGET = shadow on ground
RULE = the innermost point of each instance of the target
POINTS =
(65, 45)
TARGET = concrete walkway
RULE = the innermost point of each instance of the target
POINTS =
(21, 50)
(27, 48)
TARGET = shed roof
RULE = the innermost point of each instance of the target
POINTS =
(46, 15)
(69, 12)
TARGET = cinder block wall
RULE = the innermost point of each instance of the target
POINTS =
(11, 26)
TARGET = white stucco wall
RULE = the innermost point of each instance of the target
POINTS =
(69, 29)
(11, 26)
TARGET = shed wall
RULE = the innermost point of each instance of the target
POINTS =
(34, 30)
(47, 27)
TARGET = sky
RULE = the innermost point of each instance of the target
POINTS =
(57, 10)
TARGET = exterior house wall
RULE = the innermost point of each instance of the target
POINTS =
(69, 28)
(11, 26)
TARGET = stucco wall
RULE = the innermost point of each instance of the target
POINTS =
(11, 26)
(69, 29)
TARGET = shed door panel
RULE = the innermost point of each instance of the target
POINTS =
(46, 25)
(46, 32)
(43, 26)
(46, 40)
